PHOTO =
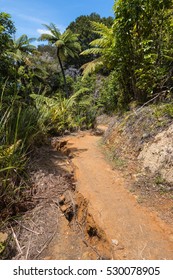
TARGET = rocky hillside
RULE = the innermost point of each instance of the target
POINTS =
(140, 143)
(157, 155)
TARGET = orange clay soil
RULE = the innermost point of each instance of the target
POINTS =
(134, 231)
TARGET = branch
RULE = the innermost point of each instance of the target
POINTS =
(17, 242)
(149, 101)
(26, 228)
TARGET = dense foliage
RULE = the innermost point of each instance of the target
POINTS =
(138, 48)
(35, 101)
(40, 94)
(7, 30)
(143, 32)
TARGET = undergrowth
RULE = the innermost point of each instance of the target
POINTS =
(164, 110)
(25, 123)
(18, 130)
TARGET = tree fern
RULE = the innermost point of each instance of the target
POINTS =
(66, 45)
(101, 47)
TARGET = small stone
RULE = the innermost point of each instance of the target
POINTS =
(66, 132)
(120, 247)
(115, 242)
(145, 135)
(64, 208)
(61, 199)
(3, 237)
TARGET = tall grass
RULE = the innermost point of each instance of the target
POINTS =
(18, 129)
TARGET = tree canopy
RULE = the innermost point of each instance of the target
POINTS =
(7, 30)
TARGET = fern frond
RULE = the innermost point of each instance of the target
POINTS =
(91, 67)
(81, 91)
(100, 28)
(22, 40)
(53, 29)
(47, 37)
(92, 51)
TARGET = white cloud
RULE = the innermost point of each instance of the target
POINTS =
(43, 31)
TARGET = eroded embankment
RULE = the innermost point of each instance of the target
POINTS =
(140, 144)
(75, 208)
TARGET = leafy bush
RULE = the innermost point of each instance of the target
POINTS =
(58, 113)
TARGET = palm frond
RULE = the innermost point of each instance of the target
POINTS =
(77, 46)
(81, 91)
(23, 44)
(30, 40)
(53, 35)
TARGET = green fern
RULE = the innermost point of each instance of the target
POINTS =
(101, 47)
(92, 66)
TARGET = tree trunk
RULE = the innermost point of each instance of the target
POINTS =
(63, 74)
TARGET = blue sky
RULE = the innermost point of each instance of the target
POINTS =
(29, 15)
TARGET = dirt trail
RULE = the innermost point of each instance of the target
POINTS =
(135, 232)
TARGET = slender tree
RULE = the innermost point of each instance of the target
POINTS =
(66, 45)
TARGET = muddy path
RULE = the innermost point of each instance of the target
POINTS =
(133, 231)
